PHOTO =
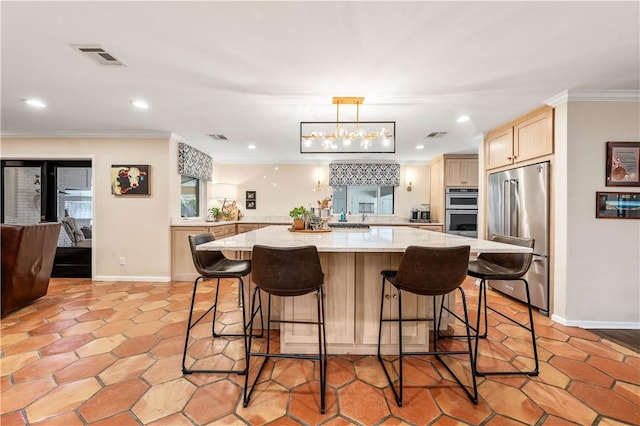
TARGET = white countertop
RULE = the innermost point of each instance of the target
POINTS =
(374, 239)
(279, 220)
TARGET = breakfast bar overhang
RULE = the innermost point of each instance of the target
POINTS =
(351, 261)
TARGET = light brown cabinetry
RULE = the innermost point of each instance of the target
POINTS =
(339, 304)
(450, 170)
(461, 172)
(246, 227)
(182, 268)
(368, 293)
(522, 140)
(435, 228)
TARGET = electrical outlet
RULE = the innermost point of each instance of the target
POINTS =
(122, 261)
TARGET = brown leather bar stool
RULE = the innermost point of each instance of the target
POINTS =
(429, 271)
(509, 267)
(215, 265)
(287, 272)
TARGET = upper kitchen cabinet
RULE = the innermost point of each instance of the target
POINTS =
(450, 170)
(524, 139)
(461, 171)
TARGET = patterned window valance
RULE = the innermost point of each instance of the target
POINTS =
(380, 174)
(194, 163)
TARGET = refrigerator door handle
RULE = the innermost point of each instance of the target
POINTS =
(514, 214)
(506, 211)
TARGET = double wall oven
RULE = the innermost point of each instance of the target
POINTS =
(461, 211)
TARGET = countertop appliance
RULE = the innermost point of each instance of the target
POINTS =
(518, 205)
(423, 214)
(461, 211)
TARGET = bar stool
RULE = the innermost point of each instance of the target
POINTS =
(429, 271)
(507, 267)
(214, 265)
(287, 272)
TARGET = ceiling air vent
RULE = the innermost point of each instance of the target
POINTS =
(436, 134)
(219, 137)
(97, 54)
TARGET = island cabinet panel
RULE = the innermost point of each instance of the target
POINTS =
(368, 294)
(339, 304)
(182, 268)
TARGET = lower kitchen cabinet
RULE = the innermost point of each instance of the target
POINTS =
(352, 300)
(339, 308)
(434, 228)
(182, 268)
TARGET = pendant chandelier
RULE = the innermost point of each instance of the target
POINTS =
(347, 136)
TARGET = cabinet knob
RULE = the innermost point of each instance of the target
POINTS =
(509, 158)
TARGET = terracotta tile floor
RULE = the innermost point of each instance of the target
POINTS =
(109, 353)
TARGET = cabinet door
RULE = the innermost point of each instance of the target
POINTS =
(339, 295)
(461, 172)
(434, 228)
(246, 227)
(471, 172)
(368, 293)
(499, 149)
(534, 137)
(182, 268)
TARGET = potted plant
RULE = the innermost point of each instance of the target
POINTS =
(298, 213)
(215, 213)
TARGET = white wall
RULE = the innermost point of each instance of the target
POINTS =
(599, 283)
(279, 187)
(134, 227)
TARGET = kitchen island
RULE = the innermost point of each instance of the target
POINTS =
(351, 261)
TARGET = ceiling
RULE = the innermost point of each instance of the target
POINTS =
(254, 71)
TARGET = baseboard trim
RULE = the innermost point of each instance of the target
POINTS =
(131, 278)
(613, 325)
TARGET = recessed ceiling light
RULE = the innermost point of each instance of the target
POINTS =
(419, 146)
(252, 146)
(463, 118)
(35, 103)
(140, 104)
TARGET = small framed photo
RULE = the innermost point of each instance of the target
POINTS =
(618, 205)
(250, 195)
(623, 164)
(128, 179)
(251, 204)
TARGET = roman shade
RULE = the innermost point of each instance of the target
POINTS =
(380, 174)
(194, 163)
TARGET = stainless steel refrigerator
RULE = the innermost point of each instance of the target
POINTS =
(518, 205)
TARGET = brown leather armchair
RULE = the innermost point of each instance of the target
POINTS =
(27, 260)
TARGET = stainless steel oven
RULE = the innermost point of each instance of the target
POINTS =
(461, 198)
(462, 222)
(461, 211)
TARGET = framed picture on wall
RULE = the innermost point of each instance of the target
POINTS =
(129, 179)
(251, 204)
(623, 164)
(618, 205)
(250, 195)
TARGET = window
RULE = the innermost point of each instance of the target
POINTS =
(363, 199)
(189, 197)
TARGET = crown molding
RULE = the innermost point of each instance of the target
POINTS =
(594, 96)
(87, 135)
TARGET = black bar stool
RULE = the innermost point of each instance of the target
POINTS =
(287, 272)
(429, 271)
(214, 265)
(508, 267)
